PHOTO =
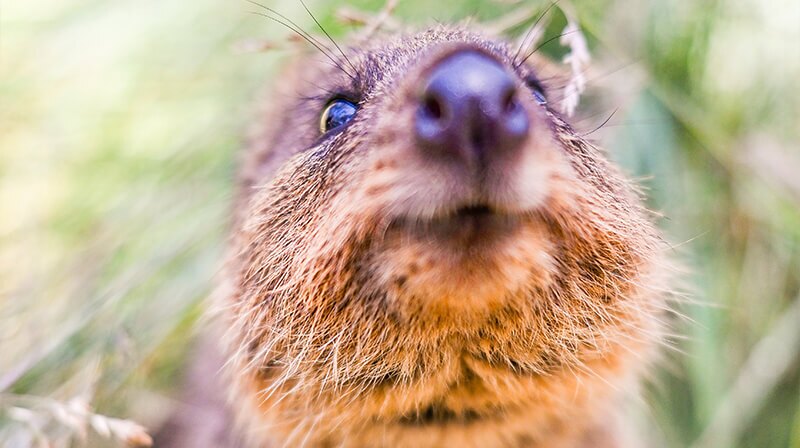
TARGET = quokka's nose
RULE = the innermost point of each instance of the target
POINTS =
(469, 109)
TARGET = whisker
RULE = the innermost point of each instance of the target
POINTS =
(329, 36)
(530, 31)
(291, 25)
(634, 123)
(297, 27)
(538, 47)
(547, 80)
(333, 60)
(601, 124)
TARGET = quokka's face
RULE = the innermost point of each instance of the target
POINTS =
(417, 214)
(438, 153)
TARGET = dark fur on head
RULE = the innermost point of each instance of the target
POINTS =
(353, 318)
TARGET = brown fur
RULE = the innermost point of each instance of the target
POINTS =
(348, 325)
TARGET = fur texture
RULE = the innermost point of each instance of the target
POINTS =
(353, 317)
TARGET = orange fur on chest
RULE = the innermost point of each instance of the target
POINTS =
(480, 406)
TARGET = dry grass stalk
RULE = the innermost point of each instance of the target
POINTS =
(577, 59)
(72, 420)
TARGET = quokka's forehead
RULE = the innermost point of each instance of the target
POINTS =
(411, 45)
(395, 53)
(382, 60)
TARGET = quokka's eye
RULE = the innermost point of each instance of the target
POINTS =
(537, 89)
(539, 96)
(337, 113)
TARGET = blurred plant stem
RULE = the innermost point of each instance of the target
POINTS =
(770, 360)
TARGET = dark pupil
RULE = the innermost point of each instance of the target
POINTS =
(539, 96)
(339, 113)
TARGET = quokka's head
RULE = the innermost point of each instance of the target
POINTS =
(416, 202)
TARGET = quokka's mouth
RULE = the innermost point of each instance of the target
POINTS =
(474, 211)
(436, 415)
(466, 226)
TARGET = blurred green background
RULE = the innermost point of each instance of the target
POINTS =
(119, 125)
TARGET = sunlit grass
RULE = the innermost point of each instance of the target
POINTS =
(119, 124)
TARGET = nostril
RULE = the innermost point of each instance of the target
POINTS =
(509, 101)
(432, 107)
